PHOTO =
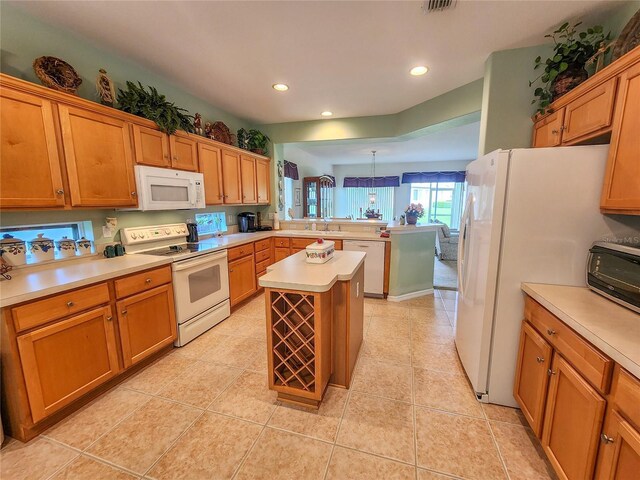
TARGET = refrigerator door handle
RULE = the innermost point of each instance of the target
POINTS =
(462, 242)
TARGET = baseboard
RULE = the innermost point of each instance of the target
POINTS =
(409, 296)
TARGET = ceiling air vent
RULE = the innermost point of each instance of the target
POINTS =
(429, 6)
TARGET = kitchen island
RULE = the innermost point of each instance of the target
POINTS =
(315, 318)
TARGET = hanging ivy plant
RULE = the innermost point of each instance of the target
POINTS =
(155, 107)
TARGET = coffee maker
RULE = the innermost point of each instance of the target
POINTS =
(247, 222)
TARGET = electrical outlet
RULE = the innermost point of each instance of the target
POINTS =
(270, 216)
(230, 219)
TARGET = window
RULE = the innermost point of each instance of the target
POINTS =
(288, 195)
(357, 201)
(442, 201)
(211, 223)
(54, 231)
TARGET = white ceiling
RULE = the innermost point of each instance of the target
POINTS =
(458, 143)
(350, 57)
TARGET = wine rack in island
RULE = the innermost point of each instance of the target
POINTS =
(299, 344)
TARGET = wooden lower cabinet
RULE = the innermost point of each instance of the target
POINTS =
(242, 279)
(532, 379)
(63, 361)
(573, 421)
(619, 457)
(280, 253)
(147, 323)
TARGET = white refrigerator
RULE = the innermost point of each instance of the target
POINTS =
(530, 216)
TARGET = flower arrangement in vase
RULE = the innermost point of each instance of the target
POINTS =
(413, 212)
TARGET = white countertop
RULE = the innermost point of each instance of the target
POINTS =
(395, 228)
(612, 328)
(294, 273)
(29, 284)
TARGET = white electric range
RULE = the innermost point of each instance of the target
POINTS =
(200, 275)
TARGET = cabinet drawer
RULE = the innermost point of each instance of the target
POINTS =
(262, 245)
(52, 308)
(301, 243)
(262, 266)
(626, 395)
(281, 242)
(592, 364)
(263, 255)
(239, 252)
(142, 281)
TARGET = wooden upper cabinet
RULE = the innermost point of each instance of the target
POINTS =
(99, 159)
(263, 180)
(547, 132)
(30, 173)
(210, 165)
(621, 190)
(65, 360)
(147, 323)
(248, 175)
(184, 152)
(619, 457)
(151, 147)
(231, 180)
(589, 114)
(530, 389)
(573, 421)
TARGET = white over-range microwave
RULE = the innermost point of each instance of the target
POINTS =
(167, 189)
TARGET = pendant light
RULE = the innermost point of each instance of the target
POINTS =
(372, 193)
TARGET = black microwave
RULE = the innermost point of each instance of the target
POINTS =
(614, 271)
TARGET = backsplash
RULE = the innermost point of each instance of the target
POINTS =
(125, 218)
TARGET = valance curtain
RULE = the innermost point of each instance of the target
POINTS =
(366, 182)
(428, 177)
(291, 170)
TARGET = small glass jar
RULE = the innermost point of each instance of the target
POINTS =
(66, 247)
(41, 248)
(13, 250)
(84, 246)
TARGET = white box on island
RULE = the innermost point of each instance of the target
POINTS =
(320, 251)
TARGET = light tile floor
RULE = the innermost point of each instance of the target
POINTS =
(204, 412)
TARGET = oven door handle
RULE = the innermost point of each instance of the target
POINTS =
(204, 259)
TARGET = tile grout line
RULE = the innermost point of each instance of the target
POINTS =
(202, 413)
(497, 447)
(250, 449)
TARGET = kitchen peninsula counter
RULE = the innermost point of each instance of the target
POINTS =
(315, 318)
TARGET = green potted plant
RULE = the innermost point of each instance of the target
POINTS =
(154, 106)
(258, 142)
(565, 69)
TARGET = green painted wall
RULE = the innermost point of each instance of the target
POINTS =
(412, 262)
(24, 38)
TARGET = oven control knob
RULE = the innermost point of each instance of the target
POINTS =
(134, 235)
(167, 231)
(142, 235)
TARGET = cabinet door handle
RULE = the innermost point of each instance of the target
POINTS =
(124, 312)
(606, 438)
(551, 372)
(60, 191)
(147, 281)
(70, 304)
(109, 318)
(133, 194)
(550, 331)
(539, 359)
(231, 271)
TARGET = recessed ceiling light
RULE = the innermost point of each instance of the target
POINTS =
(419, 70)
(281, 87)
(326, 113)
